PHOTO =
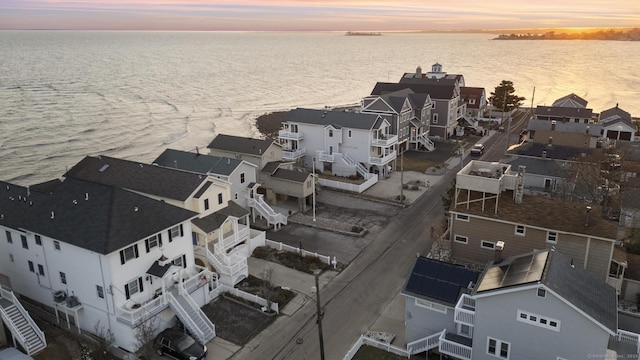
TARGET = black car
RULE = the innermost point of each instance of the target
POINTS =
(179, 345)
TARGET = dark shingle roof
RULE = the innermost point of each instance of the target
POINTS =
(539, 166)
(273, 169)
(213, 221)
(559, 152)
(439, 281)
(239, 144)
(437, 91)
(573, 283)
(569, 112)
(571, 98)
(561, 126)
(92, 216)
(148, 179)
(198, 163)
(615, 112)
(338, 119)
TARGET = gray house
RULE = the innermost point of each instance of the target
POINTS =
(533, 306)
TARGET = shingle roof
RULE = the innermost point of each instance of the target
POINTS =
(199, 163)
(338, 119)
(573, 283)
(537, 166)
(559, 152)
(613, 112)
(439, 281)
(569, 112)
(437, 91)
(561, 126)
(273, 169)
(148, 179)
(92, 216)
(239, 144)
(213, 221)
(571, 100)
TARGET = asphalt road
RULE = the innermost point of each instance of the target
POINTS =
(359, 294)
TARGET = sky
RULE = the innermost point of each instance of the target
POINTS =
(315, 15)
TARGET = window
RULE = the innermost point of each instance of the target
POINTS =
(41, 270)
(100, 291)
(349, 133)
(31, 268)
(487, 245)
(219, 198)
(461, 239)
(435, 118)
(498, 348)
(180, 261)
(38, 240)
(175, 232)
(9, 239)
(433, 105)
(242, 178)
(235, 196)
(520, 230)
(25, 244)
(431, 305)
(330, 133)
(552, 237)
(541, 321)
(11, 257)
(133, 287)
(152, 242)
(542, 292)
(472, 101)
(129, 253)
(206, 204)
(63, 278)
(462, 217)
(56, 245)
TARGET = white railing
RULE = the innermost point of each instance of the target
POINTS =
(280, 246)
(10, 296)
(293, 154)
(234, 238)
(145, 311)
(359, 167)
(266, 211)
(629, 337)
(365, 340)
(615, 282)
(453, 348)
(424, 344)
(249, 297)
(325, 156)
(357, 188)
(200, 278)
(290, 135)
(385, 141)
(383, 159)
(465, 312)
(187, 320)
(225, 266)
(14, 330)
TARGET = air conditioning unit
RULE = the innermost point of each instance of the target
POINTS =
(72, 301)
(59, 296)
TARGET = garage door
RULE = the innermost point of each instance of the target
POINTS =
(625, 135)
(612, 134)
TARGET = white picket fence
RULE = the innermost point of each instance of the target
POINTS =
(364, 340)
(221, 289)
(348, 186)
(284, 247)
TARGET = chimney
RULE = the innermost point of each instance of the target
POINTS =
(544, 154)
(498, 252)
(553, 125)
(418, 72)
(197, 151)
(550, 141)
(586, 131)
(586, 220)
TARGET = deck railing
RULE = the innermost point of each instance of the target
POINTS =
(453, 348)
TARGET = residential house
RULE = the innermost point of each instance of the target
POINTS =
(107, 257)
(490, 213)
(203, 194)
(255, 151)
(548, 151)
(617, 124)
(569, 108)
(409, 114)
(339, 143)
(543, 176)
(446, 107)
(538, 305)
(475, 99)
(284, 183)
(436, 73)
(585, 135)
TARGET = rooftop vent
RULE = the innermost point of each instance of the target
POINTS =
(104, 168)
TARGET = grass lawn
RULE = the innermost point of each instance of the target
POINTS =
(412, 162)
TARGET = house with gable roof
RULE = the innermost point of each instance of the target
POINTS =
(105, 256)
(409, 114)
(617, 124)
(225, 248)
(569, 108)
(538, 305)
(340, 143)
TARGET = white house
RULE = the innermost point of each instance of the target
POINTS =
(533, 306)
(108, 257)
(338, 142)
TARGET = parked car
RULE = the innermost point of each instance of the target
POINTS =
(179, 345)
(477, 149)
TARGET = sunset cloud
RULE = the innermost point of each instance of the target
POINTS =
(314, 14)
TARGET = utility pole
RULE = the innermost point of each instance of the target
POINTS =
(319, 313)
(313, 160)
(504, 109)
(401, 177)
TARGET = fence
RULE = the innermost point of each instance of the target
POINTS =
(364, 340)
(357, 188)
(244, 295)
(280, 246)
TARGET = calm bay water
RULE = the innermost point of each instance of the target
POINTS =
(65, 94)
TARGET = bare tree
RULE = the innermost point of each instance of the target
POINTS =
(106, 337)
(144, 335)
(268, 289)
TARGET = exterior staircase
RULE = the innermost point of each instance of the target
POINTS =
(426, 142)
(424, 344)
(21, 325)
(362, 171)
(230, 268)
(191, 315)
(273, 217)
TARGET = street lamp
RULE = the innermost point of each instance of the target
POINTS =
(313, 160)
(319, 313)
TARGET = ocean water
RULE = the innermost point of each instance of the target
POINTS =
(68, 94)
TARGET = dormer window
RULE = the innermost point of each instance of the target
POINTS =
(330, 133)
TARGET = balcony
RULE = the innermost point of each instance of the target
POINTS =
(465, 311)
(232, 237)
(293, 154)
(290, 135)
(489, 177)
(325, 156)
(384, 159)
(454, 345)
(385, 140)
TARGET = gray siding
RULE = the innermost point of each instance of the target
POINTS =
(496, 317)
(421, 322)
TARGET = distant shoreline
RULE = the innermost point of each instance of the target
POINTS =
(359, 33)
(628, 35)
